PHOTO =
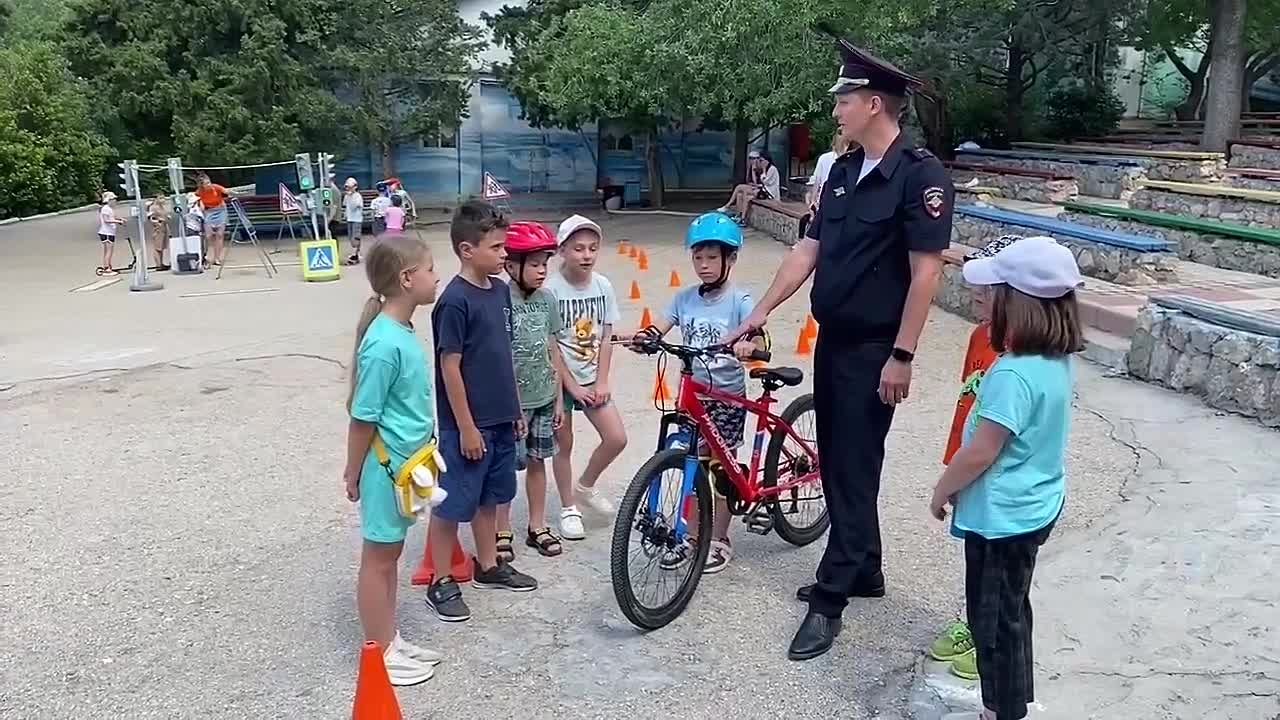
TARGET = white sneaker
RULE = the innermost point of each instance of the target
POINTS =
(593, 499)
(718, 558)
(404, 670)
(571, 524)
(421, 654)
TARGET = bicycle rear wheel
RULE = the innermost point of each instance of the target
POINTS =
(654, 572)
(799, 514)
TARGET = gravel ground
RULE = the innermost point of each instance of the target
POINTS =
(176, 543)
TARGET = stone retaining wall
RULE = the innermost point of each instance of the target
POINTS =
(1193, 171)
(1237, 210)
(1021, 187)
(1230, 369)
(1251, 183)
(1213, 250)
(1107, 181)
(1254, 156)
(1113, 264)
(781, 226)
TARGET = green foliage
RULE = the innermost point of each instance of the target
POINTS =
(49, 158)
(1082, 109)
(977, 115)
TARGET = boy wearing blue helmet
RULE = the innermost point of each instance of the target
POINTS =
(705, 314)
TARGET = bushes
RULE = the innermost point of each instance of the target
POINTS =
(1082, 110)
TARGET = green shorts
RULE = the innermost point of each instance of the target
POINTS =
(571, 404)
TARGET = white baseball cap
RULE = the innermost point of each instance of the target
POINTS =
(1037, 266)
(351, 182)
(573, 224)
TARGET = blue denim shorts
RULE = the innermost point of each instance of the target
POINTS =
(472, 484)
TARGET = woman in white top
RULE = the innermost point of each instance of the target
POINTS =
(764, 184)
(822, 170)
(107, 224)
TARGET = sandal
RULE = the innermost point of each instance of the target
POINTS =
(505, 550)
(544, 541)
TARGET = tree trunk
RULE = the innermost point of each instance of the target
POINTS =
(741, 136)
(1226, 82)
(1190, 107)
(934, 120)
(653, 160)
(1013, 91)
(388, 160)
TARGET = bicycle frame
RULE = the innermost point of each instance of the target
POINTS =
(691, 413)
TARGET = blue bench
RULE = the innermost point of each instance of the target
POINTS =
(1057, 157)
(1060, 228)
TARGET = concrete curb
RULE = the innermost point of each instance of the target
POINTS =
(42, 216)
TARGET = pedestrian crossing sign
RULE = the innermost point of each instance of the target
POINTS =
(494, 190)
(319, 260)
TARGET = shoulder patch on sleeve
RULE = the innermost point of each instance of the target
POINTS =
(935, 200)
(921, 153)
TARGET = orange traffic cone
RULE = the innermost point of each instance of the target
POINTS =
(810, 327)
(646, 319)
(459, 566)
(802, 344)
(375, 698)
(644, 261)
(623, 247)
(635, 290)
(633, 252)
(661, 393)
(675, 279)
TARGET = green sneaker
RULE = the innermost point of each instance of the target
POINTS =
(955, 640)
(965, 665)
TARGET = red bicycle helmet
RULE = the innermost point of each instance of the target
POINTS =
(528, 237)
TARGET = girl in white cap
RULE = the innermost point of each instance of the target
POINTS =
(1007, 482)
(107, 223)
(353, 209)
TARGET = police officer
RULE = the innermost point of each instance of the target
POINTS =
(875, 251)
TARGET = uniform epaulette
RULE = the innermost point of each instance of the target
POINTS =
(921, 153)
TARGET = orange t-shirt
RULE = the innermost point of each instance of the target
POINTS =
(211, 195)
(979, 357)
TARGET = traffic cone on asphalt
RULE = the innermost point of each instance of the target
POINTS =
(802, 344)
(459, 566)
(624, 247)
(643, 260)
(633, 252)
(646, 319)
(675, 279)
(810, 327)
(635, 290)
(375, 698)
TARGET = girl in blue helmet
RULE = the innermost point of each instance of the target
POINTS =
(705, 314)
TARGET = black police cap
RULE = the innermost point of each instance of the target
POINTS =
(860, 69)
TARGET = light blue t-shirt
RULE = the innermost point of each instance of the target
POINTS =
(392, 387)
(1025, 487)
(704, 320)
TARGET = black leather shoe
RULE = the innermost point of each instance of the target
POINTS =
(873, 589)
(814, 638)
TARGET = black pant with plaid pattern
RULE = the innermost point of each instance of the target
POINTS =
(997, 592)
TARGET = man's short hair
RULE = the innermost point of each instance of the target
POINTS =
(894, 105)
(472, 221)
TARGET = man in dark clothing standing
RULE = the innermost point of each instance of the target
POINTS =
(875, 251)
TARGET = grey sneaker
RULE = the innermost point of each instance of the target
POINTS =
(444, 597)
(502, 577)
(719, 557)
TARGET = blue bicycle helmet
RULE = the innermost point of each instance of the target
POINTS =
(713, 227)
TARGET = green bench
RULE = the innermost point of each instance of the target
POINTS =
(1179, 222)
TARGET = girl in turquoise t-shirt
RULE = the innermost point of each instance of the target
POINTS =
(1007, 481)
(390, 396)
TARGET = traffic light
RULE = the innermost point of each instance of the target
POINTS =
(175, 174)
(326, 169)
(306, 181)
(129, 178)
(326, 196)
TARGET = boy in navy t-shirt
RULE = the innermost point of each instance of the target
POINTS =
(478, 409)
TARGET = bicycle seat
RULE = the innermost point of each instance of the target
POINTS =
(782, 375)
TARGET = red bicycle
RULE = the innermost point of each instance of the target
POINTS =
(675, 486)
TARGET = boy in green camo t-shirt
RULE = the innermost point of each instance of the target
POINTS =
(535, 322)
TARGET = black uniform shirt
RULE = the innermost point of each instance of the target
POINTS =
(865, 231)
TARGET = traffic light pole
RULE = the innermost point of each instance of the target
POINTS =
(142, 281)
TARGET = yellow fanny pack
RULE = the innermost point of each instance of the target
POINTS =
(417, 481)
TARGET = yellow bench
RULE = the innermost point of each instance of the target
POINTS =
(1113, 150)
(1268, 196)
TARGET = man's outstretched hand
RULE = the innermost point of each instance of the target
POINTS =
(752, 323)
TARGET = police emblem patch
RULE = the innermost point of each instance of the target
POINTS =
(934, 201)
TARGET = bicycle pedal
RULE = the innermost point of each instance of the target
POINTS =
(759, 521)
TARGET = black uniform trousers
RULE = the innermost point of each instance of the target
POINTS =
(997, 594)
(852, 426)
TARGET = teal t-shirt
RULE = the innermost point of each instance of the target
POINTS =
(392, 387)
(1025, 487)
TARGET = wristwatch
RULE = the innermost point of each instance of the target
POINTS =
(901, 355)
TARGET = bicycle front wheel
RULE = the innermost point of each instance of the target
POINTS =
(657, 553)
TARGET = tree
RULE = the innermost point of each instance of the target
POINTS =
(49, 156)
(1226, 83)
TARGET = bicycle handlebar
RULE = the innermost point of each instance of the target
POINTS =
(651, 345)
